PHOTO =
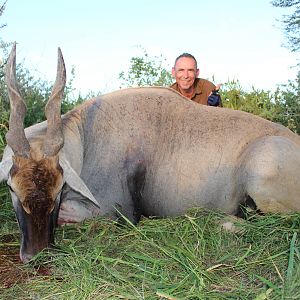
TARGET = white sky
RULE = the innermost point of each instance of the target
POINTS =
(233, 39)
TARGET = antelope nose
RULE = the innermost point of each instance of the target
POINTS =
(25, 257)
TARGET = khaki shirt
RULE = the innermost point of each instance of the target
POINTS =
(203, 88)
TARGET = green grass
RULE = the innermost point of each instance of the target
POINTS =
(188, 257)
(7, 216)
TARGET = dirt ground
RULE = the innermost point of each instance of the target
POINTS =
(11, 271)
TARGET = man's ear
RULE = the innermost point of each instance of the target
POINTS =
(197, 72)
(173, 72)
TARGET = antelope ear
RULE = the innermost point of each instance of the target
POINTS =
(6, 163)
(75, 182)
(5, 166)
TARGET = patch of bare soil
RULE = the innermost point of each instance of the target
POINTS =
(12, 270)
(10, 264)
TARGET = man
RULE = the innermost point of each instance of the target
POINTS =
(186, 72)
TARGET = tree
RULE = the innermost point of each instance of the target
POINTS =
(255, 101)
(291, 23)
(289, 98)
(146, 71)
(3, 95)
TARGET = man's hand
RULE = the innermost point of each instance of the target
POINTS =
(214, 99)
(218, 86)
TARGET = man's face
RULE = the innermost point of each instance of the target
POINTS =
(185, 72)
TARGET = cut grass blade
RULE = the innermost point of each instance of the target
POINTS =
(291, 259)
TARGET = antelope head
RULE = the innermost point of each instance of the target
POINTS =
(35, 178)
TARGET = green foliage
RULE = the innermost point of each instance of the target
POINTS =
(37, 92)
(4, 114)
(291, 23)
(290, 104)
(258, 102)
(281, 106)
(2, 9)
(34, 93)
(146, 71)
(289, 97)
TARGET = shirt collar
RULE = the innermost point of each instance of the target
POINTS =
(197, 88)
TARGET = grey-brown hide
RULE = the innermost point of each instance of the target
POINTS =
(150, 151)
